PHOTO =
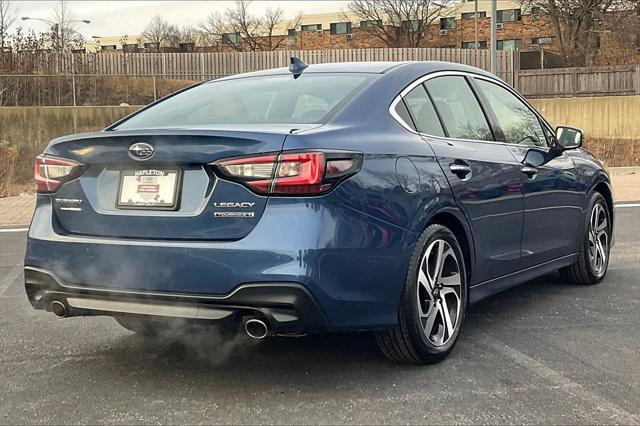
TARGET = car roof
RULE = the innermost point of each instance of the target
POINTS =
(371, 67)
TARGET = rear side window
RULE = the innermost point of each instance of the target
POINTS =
(403, 113)
(458, 107)
(422, 111)
(311, 98)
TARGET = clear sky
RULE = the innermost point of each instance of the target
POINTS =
(115, 18)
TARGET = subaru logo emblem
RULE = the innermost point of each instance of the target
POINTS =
(141, 151)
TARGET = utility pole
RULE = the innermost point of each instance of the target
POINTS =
(475, 44)
(494, 34)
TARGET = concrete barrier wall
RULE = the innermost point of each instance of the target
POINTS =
(611, 124)
(25, 131)
(605, 117)
(36, 126)
(602, 117)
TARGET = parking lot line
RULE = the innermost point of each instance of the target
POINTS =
(616, 413)
(6, 282)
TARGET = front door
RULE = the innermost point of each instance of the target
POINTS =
(553, 196)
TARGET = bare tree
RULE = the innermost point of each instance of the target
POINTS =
(398, 23)
(181, 35)
(64, 33)
(242, 22)
(273, 18)
(622, 32)
(578, 24)
(188, 34)
(8, 16)
(241, 30)
(214, 27)
(157, 32)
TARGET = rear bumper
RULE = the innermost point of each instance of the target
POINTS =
(287, 307)
(351, 264)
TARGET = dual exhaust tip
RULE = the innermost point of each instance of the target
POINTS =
(254, 327)
(59, 309)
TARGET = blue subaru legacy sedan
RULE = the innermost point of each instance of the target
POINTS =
(338, 197)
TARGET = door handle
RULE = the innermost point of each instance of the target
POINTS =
(460, 169)
(529, 171)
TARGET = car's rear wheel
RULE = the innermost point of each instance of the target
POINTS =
(593, 259)
(434, 301)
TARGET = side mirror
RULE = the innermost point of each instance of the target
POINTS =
(568, 138)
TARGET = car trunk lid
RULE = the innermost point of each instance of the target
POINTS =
(173, 194)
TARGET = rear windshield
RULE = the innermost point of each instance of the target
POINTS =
(311, 98)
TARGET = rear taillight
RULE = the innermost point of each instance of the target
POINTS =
(50, 172)
(291, 173)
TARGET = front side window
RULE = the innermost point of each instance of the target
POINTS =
(338, 28)
(447, 23)
(311, 98)
(458, 108)
(519, 124)
(422, 111)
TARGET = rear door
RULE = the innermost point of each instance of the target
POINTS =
(553, 195)
(484, 176)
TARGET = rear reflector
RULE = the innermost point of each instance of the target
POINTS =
(292, 173)
(50, 172)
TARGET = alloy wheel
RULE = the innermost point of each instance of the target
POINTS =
(598, 240)
(439, 292)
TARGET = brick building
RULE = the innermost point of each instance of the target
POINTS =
(518, 29)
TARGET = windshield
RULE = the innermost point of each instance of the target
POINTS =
(311, 98)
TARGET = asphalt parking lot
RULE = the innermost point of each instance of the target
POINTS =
(545, 352)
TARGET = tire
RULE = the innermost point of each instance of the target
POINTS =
(596, 242)
(423, 308)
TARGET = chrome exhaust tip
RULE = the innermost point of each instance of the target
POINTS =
(58, 309)
(256, 329)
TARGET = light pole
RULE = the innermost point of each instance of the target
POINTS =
(475, 44)
(494, 34)
(57, 27)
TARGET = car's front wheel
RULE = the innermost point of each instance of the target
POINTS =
(434, 301)
(593, 258)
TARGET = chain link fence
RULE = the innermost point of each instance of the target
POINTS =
(90, 89)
